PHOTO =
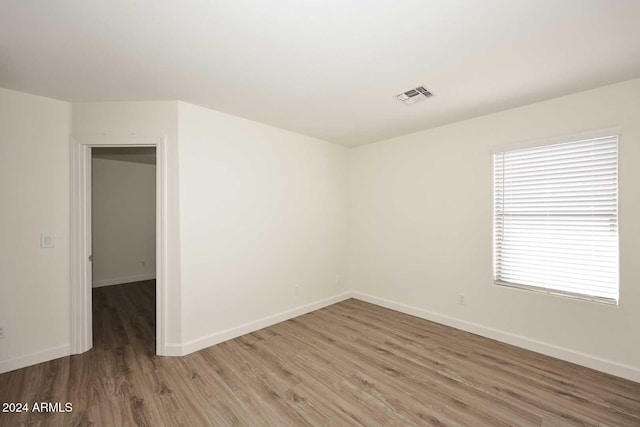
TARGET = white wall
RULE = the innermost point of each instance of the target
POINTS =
(421, 227)
(262, 210)
(34, 198)
(255, 211)
(153, 118)
(123, 221)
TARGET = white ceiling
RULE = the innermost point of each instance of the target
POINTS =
(325, 68)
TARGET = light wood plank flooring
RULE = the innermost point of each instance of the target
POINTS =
(349, 364)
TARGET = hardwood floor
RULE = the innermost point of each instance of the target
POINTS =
(349, 364)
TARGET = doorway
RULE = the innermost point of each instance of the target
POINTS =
(122, 252)
(123, 263)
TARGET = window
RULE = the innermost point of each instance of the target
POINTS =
(556, 218)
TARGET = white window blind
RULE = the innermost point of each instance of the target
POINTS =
(556, 218)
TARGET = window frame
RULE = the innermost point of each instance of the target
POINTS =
(521, 145)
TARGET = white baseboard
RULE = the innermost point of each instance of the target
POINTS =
(34, 358)
(208, 341)
(172, 350)
(608, 366)
(121, 280)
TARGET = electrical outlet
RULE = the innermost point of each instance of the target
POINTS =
(338, 279)
(47, 240)
(143, 264)
(461, 299)
(2, 331)
(296, 290)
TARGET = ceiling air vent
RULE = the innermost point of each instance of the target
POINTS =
(414, 96)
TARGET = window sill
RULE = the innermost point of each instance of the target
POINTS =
(607, 301)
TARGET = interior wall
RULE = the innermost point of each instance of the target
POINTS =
(265, 212)
(262, 211)
(34, 194)
(152, 118)
(421, 228)
(123, 221)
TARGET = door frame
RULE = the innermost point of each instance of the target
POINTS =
(80, 243)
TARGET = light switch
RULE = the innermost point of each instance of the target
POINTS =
(47, 240)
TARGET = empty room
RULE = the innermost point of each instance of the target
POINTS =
(320, 213)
